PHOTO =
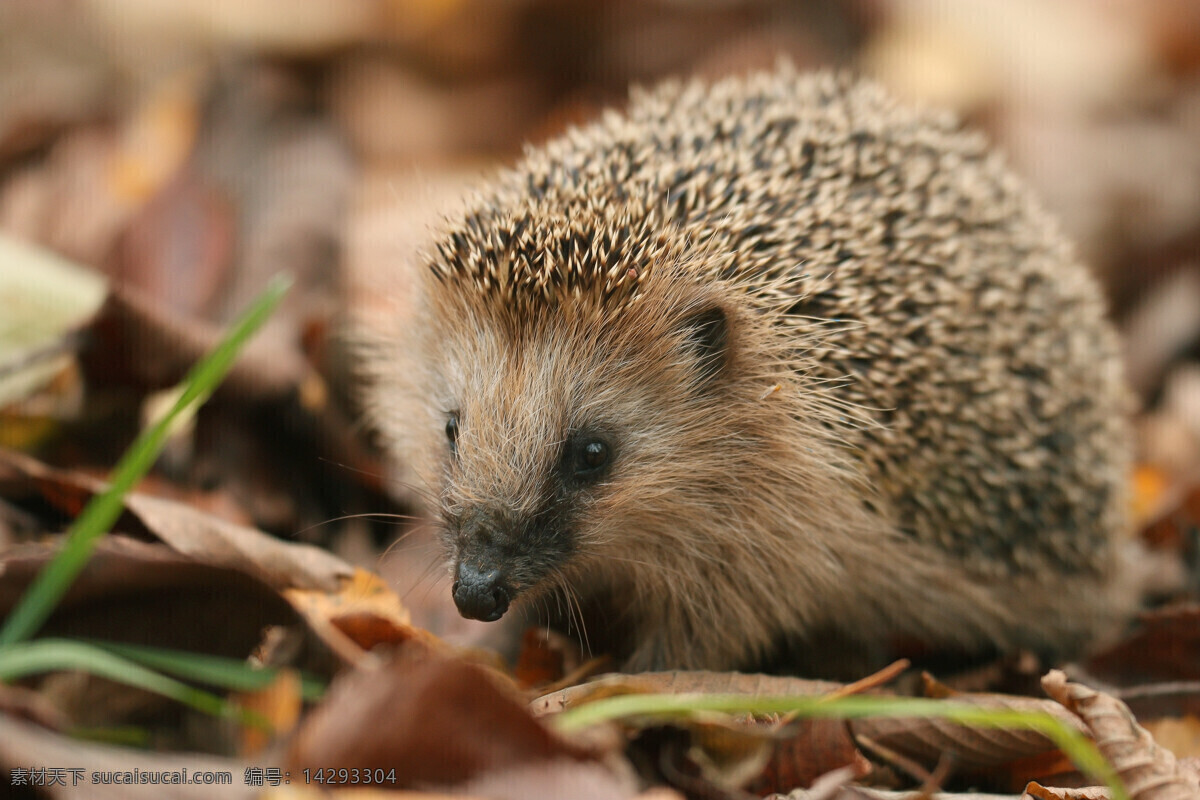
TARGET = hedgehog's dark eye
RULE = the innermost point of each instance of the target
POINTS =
(452, 432)
(591, 456)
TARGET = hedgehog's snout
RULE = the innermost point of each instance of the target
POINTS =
(481, 593)
(483, 589)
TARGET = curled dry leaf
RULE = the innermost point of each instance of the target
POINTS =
(1150, 772)
(362, 613)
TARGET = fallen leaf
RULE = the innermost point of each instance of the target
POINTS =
(1149, 772)
(177, 249)
(543, 657)
(1164, 646)
(810, 748)
(138, 592)
(203, 537)
(1036, 791)
(44, 297)
(26, 746)
(437, 721)
(140, 344)
(1001, 754)
(718, 749)
(679, 682)
(363, 613)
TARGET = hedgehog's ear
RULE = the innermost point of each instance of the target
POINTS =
(706, 333)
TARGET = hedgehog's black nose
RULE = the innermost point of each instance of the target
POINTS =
(480, 595)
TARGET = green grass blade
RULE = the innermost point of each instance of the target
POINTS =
(98, 516)
(50, 655)
(119, 736)
(1075, 745)
(228, 673)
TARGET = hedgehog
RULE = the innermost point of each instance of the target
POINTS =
(775, 369)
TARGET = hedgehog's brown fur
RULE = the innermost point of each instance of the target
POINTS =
(912, 431)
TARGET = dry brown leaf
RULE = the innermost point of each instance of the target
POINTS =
(223, 578)
(1171, 498)
(19, 702)
(349, 610)
(1165, 646)
(140, 343)
(66, 202)
(25, 745)
(863, 793)
(215, 541)
(364, 595)
(436, 721)
(138, 592)
(927, 739)
(812, 748)
(1174, 31)
(1036, 791)
(53, 75)
(1150, 772)
(316, 792)
(761, 756)
(363, 613)
(205, 538)
(560, 779)
(178, 248)
(874, 681)
(679, 682)
(542, 658)
(1150, 484)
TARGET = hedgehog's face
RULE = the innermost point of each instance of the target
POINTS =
(568, 444)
